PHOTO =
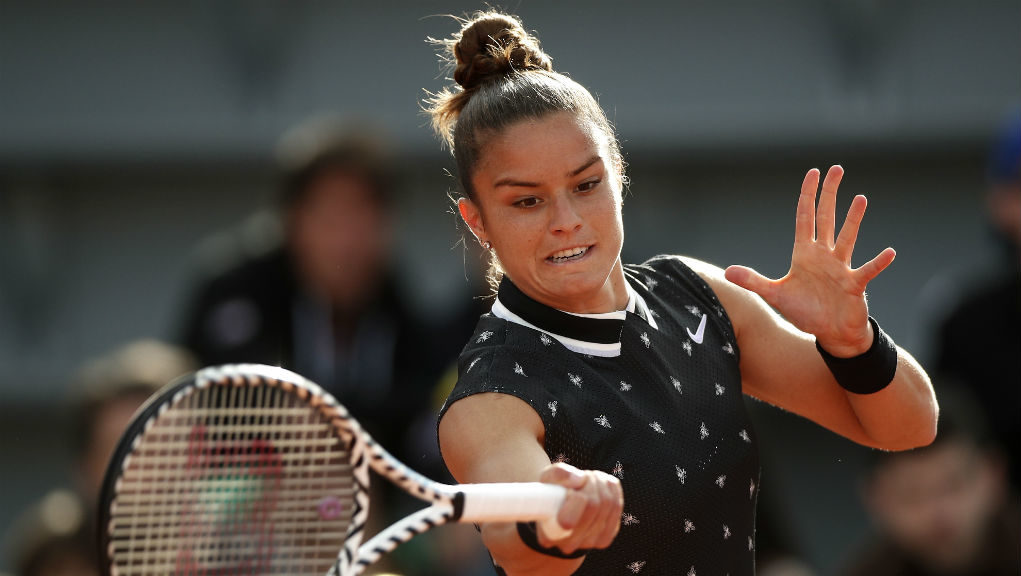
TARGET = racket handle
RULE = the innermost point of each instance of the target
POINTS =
(515, 502)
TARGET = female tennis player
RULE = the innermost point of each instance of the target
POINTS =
(624, 383)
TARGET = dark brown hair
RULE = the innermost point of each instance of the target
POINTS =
(325, 143)
(502, 76)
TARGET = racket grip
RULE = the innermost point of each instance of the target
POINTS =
(515, 502)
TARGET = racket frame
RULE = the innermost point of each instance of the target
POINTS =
(447, 503)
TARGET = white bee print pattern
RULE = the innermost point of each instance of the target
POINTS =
(645, 339)
(720, 480)
(519, 370)
(637, 566)
(726, 532)
(575, 379)
(545, 339)
(719, 390)
(689, 526)
(553, 408)
(682, 474)
(687, 346)
(744, 436)
(618, 470)
(628, 519)
(703, 431)
(677, 384)
(603, 421)
(624, 386)
(483, 337)
(657, 427)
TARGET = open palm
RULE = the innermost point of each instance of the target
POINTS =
(821, 293)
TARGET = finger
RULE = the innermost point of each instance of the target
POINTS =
(602, 509)
(868, 271)
(571, 517)
(844, 246)
(573, 479)
(608, 516)
(564, 475)
(591, 521)
(751, 280)
(614, 505)
(825, 216)
(804, 224)
(590, 524)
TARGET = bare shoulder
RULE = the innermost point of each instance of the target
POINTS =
(704, 269)
(492, 437)
(713, 275)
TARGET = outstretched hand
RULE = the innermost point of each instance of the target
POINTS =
(821, 293)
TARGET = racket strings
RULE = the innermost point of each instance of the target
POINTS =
(231, 480)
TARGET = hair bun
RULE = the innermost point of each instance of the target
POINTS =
(492, 45)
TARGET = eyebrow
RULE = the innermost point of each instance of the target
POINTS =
(512, 182)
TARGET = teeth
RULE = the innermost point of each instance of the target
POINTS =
(563, 254)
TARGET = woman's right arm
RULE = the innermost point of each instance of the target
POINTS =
(494, 437)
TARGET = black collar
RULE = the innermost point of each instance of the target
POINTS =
(605, 329)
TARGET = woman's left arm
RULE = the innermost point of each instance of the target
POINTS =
(823, 298)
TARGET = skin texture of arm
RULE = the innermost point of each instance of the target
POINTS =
(822, 297)
(499, 438)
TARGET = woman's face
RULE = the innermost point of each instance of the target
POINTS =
(548, 199)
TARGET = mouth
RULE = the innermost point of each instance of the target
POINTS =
(569, 255)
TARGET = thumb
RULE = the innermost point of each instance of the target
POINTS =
(574, 504)
(563, 475)
(750, 280)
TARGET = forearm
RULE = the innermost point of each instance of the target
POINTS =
(785, 369)
(517, 559)
(903, 415)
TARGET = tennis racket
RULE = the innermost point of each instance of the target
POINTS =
(252, 469)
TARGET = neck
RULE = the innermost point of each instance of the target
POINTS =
(612, 296)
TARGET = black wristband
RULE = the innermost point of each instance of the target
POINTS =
(869, 372)
(530, 536)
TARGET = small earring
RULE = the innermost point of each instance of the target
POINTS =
(487, 245)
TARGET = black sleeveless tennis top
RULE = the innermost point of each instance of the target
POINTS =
(651, 395)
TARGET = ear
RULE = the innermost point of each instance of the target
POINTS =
(619, 175)
(472, 217)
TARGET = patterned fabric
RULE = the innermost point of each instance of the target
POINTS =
(665, 415)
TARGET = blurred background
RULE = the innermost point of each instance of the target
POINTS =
(139, 144)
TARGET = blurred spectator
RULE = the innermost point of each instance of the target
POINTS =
(109, 390)
(57, 535)
(945, 509)
(322, 299)
(50, 539)
(979, 339)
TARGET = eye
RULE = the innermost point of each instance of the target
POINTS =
(528, 202)
(588, 185)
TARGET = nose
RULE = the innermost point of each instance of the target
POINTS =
(564, 216)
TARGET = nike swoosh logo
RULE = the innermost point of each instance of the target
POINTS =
(697, 336)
